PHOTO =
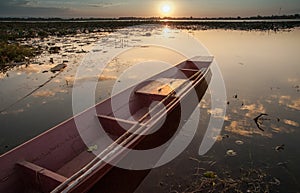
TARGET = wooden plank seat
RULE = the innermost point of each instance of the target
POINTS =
(189, 72)
(116, 126)
(117, 119)
(161, 86)
(40, 178)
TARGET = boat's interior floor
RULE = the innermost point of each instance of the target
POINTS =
(161, 87)
(76, 164)
(85, 156)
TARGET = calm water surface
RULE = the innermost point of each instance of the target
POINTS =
(261, 71)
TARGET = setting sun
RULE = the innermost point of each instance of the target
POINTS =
(166, 9)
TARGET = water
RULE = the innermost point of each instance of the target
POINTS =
(261, 74)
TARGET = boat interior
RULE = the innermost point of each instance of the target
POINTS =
(67, 153)
(163, 88)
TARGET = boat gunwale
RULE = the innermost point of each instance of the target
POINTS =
(201, 77)
(86, 110)
(72, 119)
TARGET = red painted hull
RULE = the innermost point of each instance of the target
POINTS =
(49, 160)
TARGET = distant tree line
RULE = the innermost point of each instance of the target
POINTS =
(258, 17)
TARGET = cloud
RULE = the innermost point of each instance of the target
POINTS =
(20, 2)
(33, 8)
(104, 5)
(51, 8)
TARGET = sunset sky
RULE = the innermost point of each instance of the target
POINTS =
(146, 8)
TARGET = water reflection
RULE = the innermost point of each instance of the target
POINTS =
(289, 102)
(291, 123)
(261, 69)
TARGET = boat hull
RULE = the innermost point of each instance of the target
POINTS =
(50, 159)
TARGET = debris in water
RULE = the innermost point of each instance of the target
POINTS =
(249, 180)
(279, 148)
(54, 50)
(225, 136)
(210, 174)
(282, 164)
(92, 148)
(256, 119)
(275, 182)
(57, 68)
(239, 142)
(231, 153)
(212, 163)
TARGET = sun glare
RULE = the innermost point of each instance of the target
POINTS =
(166, 9)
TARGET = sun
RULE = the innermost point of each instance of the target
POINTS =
(166, 9)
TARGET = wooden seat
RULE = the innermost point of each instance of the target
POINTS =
(116, 119)
(116, 126)
(40, 178)
(161, 86)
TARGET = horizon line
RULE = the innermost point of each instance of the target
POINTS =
(283, 16)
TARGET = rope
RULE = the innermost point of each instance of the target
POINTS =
(33, 91)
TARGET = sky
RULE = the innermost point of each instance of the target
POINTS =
(146, 8)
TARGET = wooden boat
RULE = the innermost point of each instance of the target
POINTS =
(59, 160)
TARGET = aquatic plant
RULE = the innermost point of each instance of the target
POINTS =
(249, 180)
(14, 54)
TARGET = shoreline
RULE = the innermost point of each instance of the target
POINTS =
(14, 33)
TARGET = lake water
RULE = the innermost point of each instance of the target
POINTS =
(261, 72)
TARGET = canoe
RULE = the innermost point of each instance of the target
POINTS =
(66, 158)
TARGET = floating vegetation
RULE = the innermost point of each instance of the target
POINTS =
(92, 148)
(231, 153)
(58, 68)
(237, 25)
(279, 148)
(210, 174)
(12, 55)
(239, 142)
(250, 180)
(54, 50)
